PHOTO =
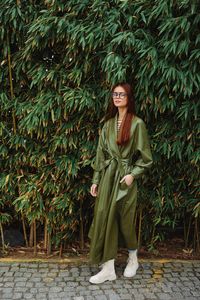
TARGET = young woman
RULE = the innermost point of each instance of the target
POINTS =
(123, 155)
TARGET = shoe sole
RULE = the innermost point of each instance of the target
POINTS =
(129, 276)
(109, 279)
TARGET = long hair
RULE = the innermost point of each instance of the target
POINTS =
(124, 134)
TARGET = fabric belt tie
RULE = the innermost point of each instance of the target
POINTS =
(121, 162)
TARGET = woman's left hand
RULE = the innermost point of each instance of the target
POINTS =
(128, 179)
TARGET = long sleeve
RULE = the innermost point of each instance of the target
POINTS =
(142, 147)
(99, 157)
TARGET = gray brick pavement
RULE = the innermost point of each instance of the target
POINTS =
(61, 281)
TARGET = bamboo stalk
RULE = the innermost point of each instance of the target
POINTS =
(139, 228)
(49, 244)
(188, 231)
(135, 221)
(194, 235)
(61, 250)
(197, 235)
(35, 237)
(2, 238)
(31, 236)
(11, 83)
(24, 230)
(184, 229)
(45, 233)
(198, 239)
(153, 234)
(81, 226)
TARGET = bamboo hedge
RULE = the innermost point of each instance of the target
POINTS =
(58, 62)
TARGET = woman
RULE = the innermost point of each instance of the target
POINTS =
(123, 155)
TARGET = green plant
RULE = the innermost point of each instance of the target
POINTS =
(58, 63)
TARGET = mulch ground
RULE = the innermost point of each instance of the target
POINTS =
(169, 249)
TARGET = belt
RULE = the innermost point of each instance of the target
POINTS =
(121, 163)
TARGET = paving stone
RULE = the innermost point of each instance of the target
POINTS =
(7, 274)
(8, 290)
(85, 293)
(21, 289)
(62, 284)
(93, 287)
(7, 295)
(114, 297)
(20, 284)
(73, 284)
(17, 296)
(126, 296)
(32, 266)
(43, 265)
(33, 290)
(8, 284)
(100, 297)
(41, 296)
(164, 296)
(71, 295)
(27, 275)
(53, 296)
(28, 296)
(194, 293)
(38, 284)
(68, 288)
(55, 289)
(192, 298)
(121, 290)
(8, 279)
(4, 269)
(20, 278)
(43, 289)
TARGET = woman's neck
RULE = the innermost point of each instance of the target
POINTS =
(121, 112)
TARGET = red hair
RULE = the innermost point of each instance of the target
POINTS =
(124, 134)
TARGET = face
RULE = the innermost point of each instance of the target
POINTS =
(119, 96)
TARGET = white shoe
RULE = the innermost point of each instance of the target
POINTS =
(132, 265)
(107, 273)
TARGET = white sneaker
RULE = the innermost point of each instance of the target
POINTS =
(132, 265)
(107, 273)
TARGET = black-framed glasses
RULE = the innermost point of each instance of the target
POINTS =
(120, 95)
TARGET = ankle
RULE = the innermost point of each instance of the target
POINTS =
(131, 251)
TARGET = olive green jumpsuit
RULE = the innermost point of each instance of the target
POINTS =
(113, 224)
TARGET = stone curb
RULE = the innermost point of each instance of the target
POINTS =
(81, 260)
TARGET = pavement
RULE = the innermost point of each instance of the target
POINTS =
(63, 280)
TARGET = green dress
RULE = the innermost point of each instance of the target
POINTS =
(113, 224)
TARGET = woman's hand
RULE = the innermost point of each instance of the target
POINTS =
(128, 179)
(93, 190)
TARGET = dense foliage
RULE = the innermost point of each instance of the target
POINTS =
(59, 60)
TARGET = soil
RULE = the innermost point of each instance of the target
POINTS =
(169, 249)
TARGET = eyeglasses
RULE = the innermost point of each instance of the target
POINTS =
(120, 95)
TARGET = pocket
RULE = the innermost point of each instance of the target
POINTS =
(125, 186)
